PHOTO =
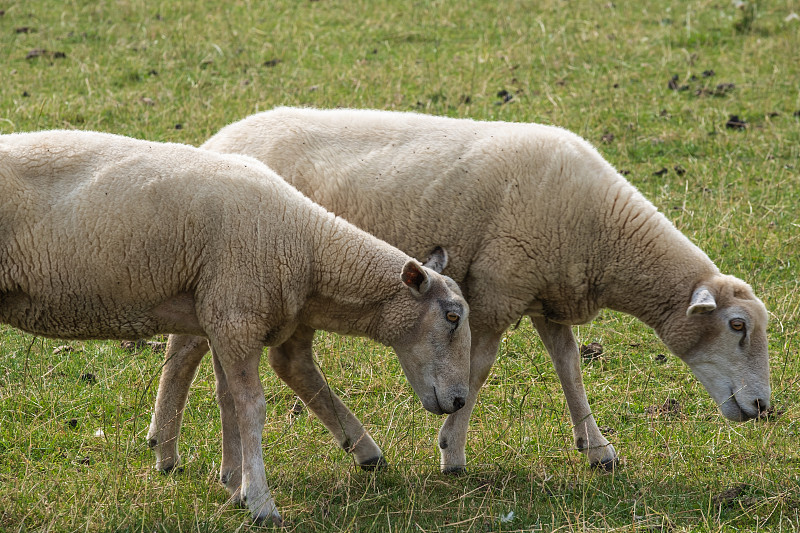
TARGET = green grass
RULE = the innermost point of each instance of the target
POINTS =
(72, 446)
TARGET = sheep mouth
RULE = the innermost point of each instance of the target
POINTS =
(741, 415)
(432, 404)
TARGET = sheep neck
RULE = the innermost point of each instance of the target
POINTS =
(649, 268)
(355, 276)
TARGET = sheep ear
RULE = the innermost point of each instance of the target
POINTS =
(702, 302)
(415, 278)
(437, 260)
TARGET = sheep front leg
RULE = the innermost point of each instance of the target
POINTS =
(453, 435)
(293, 361)
(563, 350)
(183, 356)
(240, 369)
(230, 471)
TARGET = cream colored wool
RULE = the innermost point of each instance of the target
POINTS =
(536, 223)
(103, 236)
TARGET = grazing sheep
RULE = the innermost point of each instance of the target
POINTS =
(537, 223)
(103, 236)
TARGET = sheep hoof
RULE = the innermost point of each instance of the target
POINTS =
(172, 469)
(376, 463)
(454, 470)
(276, 520)
(606, 465)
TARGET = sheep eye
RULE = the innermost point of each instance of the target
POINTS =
(737, 324)
(452, 317)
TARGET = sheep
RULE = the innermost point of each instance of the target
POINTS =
(537, 223)
(108, 237)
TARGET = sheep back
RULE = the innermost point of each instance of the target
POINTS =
(99, 230)
(535, 220)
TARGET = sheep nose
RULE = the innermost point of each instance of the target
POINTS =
(458, 403)
(761, 405)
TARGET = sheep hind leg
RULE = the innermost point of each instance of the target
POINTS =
(563, 350)
(453, 435)
(293, 361)
(238, 377)
(183, 356)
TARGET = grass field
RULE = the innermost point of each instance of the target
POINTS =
(697, 102)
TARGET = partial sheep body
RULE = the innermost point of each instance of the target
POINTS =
(536, 223)
(103, 236)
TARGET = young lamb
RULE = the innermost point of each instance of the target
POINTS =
(103, 236)
(537, 223)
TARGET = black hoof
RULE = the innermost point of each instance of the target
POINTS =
(376, 463)
(454, 470)
(171, 470)
(276, 521)
(607, 465)
(267, 520)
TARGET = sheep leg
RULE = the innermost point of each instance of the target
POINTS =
(183, 356)
(453, 435)
(563, 350)
(230, 471)
(293, 361)
(240, 369)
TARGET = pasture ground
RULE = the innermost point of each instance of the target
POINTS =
(697, 102)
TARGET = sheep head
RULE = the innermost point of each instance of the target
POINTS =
(435, 352)
(725, 345)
